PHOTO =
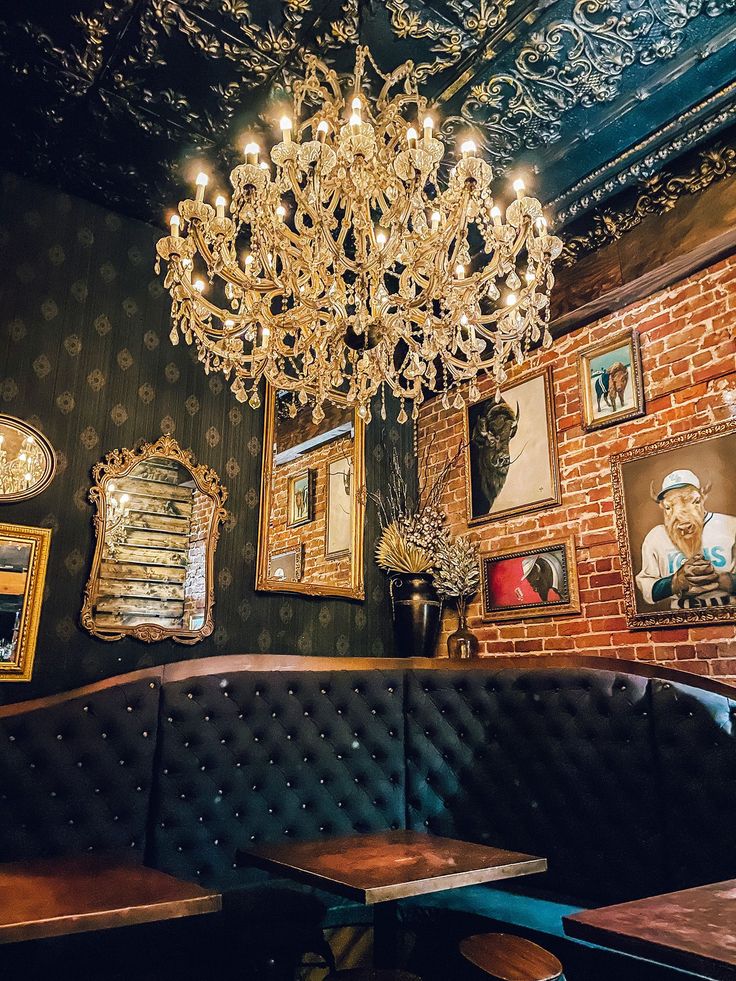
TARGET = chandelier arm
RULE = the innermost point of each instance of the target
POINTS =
(206, 254)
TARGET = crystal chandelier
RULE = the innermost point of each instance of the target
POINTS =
(21, 470)
(352, 266)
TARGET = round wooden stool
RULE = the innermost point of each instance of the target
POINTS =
(504, 957)
(372, 974)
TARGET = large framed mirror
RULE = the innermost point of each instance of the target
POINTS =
(24, 553)
(312, 500)
(157, 525)
(27, 460)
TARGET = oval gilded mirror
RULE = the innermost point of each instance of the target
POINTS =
(27, 460)
(157, 525)
(312, 500)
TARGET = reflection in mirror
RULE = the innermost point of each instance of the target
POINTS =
(23, 557)
(27, 460)
(312, 500)
(157, 528)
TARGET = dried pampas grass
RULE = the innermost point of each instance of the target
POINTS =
(395, 554)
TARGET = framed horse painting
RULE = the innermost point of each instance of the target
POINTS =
(611, 386)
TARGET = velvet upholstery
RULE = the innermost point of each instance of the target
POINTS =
(258, 756)
(76, 776)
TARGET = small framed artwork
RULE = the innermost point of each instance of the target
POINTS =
(538, 581)
(675, 507)
(339, 530)
(24, 555)
(300, 498)
(511, 451)
(610, 378)
(286, 566)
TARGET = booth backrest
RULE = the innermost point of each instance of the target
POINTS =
(622, 775)
(252, 756)
(75, 773)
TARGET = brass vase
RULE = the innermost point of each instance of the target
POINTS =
(463, 643)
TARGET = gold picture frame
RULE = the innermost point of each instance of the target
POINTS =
(538, 438)
(33, 545)
(301, 511)
(135, 465)
(642, 480)
(539, 580)
(594, 364)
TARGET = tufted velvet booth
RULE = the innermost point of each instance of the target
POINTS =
(622, 775)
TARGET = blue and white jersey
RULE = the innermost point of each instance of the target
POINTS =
(660, 558)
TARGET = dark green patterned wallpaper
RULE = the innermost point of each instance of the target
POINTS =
(85, 356)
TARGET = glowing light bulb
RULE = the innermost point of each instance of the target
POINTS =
(229, 322)
(381, 238)
(220, 205)
(511, 299)
(285, 125)
(468, 149)
(124, 498)
(355, 124)
(199, 285)
(519, 187)
(436, 219)
(356, 105)
(496, 216)
(281, 212)
(174, 223)
(428, 127)
(202, 182)
(459, 271)
(251, 153)
(463, 321)
(411, 137)
(323, 128)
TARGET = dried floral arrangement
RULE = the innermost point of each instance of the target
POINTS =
(412, 532)
(457, 571)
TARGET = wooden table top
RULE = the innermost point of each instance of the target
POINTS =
(59, 896)
(373, 868)
(694, 929)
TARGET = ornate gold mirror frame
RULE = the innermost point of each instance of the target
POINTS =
(353, 586)
(27, 460)
(24, 554)
(132, 559)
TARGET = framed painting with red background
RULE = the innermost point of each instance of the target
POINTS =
(540, 580)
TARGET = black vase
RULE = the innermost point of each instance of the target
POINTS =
(417, 611)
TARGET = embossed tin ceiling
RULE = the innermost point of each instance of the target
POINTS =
(121, 100)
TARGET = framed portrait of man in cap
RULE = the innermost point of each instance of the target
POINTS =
(539, 580)
(675, 504)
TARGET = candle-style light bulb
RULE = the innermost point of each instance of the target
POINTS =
(285, 125)
(248, 261)
(511, 299)
(199, 285)
(251, 153)
(436, 219)
(468, 149)
(381, 239)
(496, 216)
(265, 335)
(281, 212)
(411, 137)
(174, 223)
(202, 182)
(355, 123)
(220, 206)
(323, 128)
(519, 186)
(459, 271)
(428, 127)
(356, 105)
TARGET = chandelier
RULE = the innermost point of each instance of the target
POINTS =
(22, 469)
(358, 263)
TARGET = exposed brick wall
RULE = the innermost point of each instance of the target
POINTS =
(195, 594)
(317, 569)
(688, 335)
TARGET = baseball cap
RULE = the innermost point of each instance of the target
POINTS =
(679, 478)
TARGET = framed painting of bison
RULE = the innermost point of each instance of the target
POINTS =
(675, 506)
(511, 451)
(539, 580)
(611, 387)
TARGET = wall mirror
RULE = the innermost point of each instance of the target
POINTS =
(24, 553)
(27, 460)
(157, 524)
(312, 500)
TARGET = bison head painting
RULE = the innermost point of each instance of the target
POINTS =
(490, 453)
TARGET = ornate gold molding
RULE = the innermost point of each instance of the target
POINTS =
(120, 464)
